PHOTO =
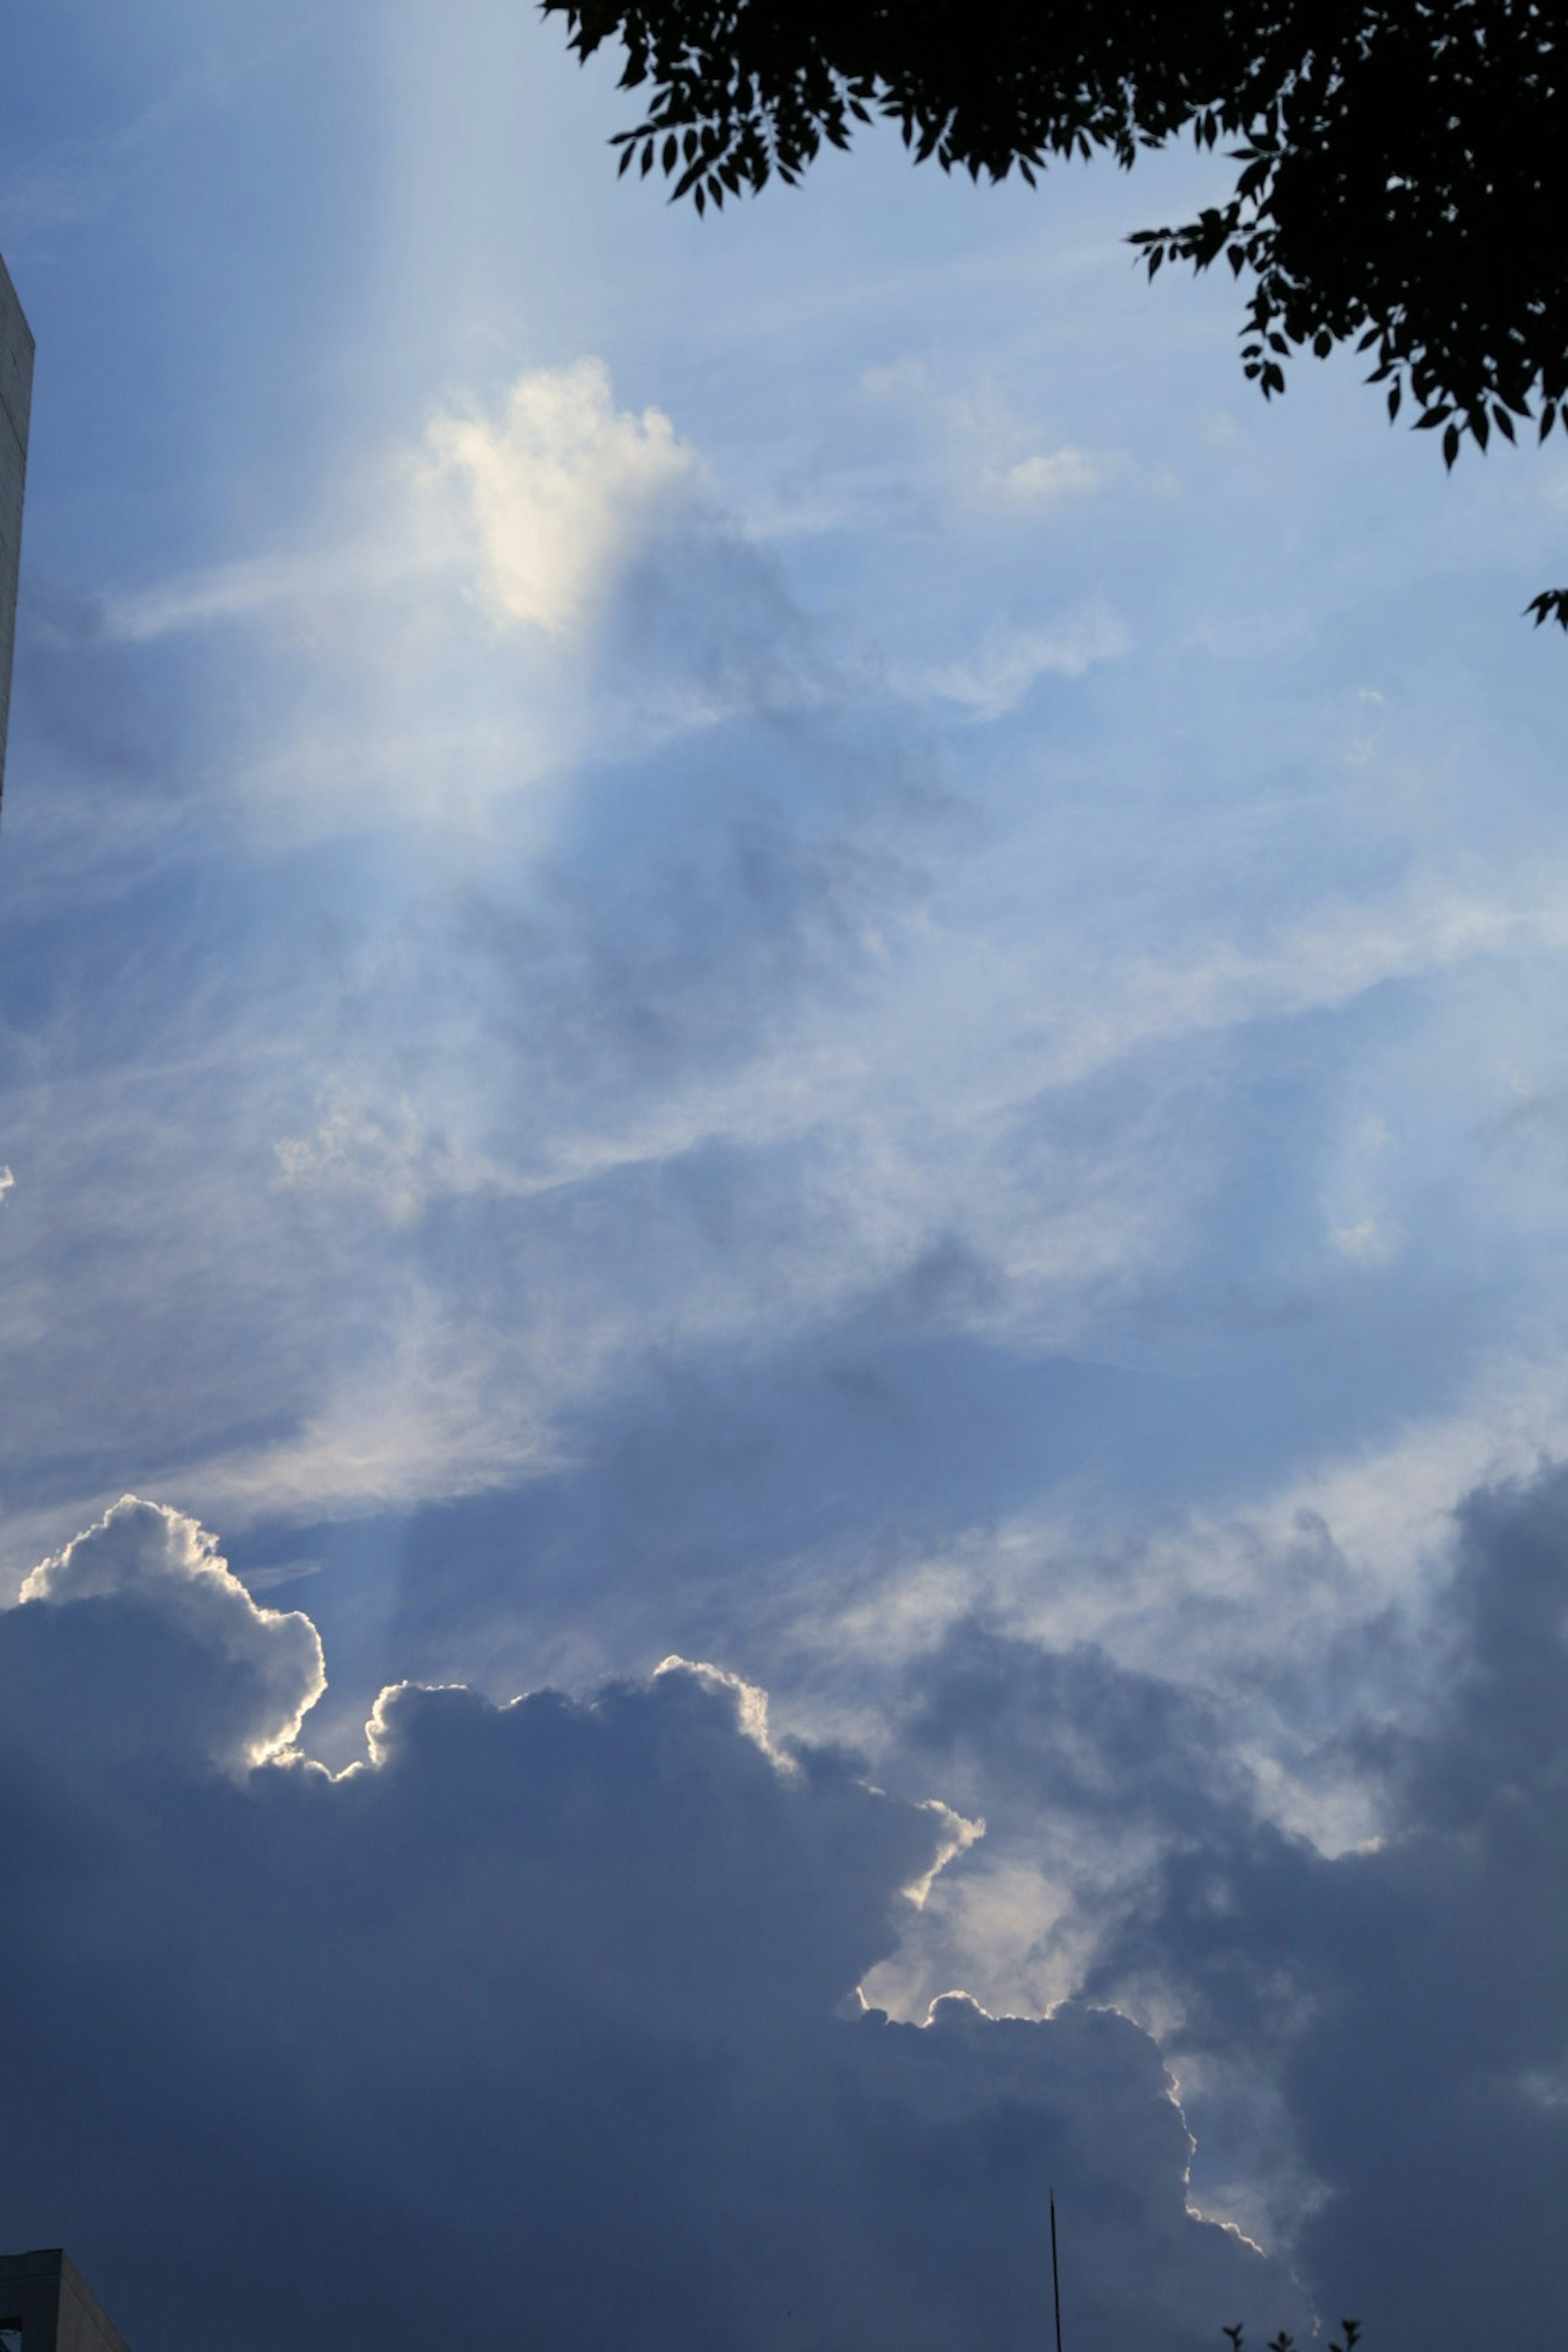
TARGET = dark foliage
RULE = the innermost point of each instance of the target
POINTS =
(1402, 164)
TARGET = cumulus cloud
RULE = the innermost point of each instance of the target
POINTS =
(646, 1906)
(222, 1681)
(541, 2019)
(558, 485)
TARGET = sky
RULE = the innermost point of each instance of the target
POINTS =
(782, 1385)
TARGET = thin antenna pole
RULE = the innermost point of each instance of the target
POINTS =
(1056, 2282)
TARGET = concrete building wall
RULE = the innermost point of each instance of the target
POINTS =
(44, 2297)
(15, 405)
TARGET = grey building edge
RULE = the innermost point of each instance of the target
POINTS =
(16, 406)
(45, 2296)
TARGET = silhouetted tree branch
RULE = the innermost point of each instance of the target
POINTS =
(1402, 176)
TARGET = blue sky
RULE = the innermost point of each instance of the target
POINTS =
(778, 940)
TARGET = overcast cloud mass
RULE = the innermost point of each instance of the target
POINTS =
(771, 942)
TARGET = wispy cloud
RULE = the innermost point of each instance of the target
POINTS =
(390, 1160)
(258, 588)
(995, 679)
(71, 181)
(1050, 475)
(531, 509)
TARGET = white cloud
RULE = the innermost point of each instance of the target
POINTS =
(1050, 478)
(536, 505)
(7, 1183)
(557, 485)
(391, 1161)
(997, 678)
(453, 1407)
(749, 1700)
(255, 586)
(1371, 1241)
(1050, 475)
(247, 1675)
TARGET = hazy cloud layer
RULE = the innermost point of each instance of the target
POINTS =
(774, 937)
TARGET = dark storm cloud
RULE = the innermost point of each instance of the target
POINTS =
(1071, 1734)
(527, 2028)
(1408, 2003)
